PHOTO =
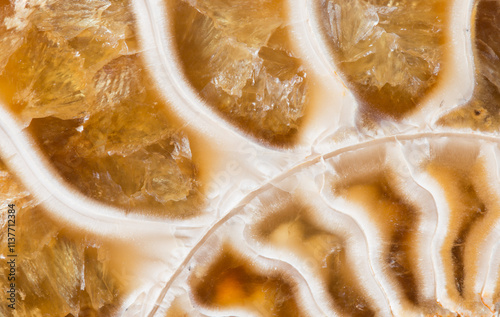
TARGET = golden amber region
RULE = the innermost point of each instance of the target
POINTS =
(51, 270)
(73, 75)
(249, 157)
(389, 52)
(237, 55)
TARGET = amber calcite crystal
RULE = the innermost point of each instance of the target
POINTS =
(238, 57)
(76, 79)
(249, 158)
(127, 153)
(482, 111)
(389, 52)
(49, 70)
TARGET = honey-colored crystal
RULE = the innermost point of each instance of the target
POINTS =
(78, 83)
(238, 59)
(289, 203)
(389, 52)
(59, 271)
(482, 112)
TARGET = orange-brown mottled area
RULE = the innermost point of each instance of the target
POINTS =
(395, 217)
(474, 206)
(367, 181)
(293, 227)
(482, 112)
(238, 57)
(231, 281)
(72, 73)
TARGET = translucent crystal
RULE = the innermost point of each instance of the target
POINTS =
(389, 51)
(117, 81)
(109, 37)
(248, 22)
(91, 105)
(130, 145)
(54, 49)
(68, 18)
(47, 77)
(63, 272)
(122, 132)
(127, 157)
(399, 222)
(260, 88)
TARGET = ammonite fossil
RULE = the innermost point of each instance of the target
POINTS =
(250, 158)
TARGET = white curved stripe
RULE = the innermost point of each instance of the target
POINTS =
(164, 65)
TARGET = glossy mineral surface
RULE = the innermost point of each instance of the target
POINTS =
(390, 52)
(239, 59)
(482, 111)
(252, 158)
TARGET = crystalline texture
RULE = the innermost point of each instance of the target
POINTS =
(63, 273)
(227, 55)
(48, 73)
(78, 84)
(396, 225)
(388, 51)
